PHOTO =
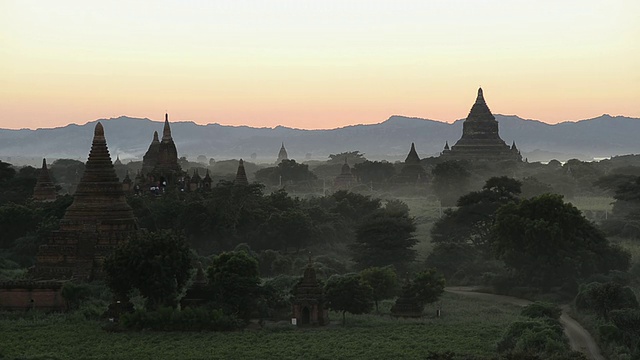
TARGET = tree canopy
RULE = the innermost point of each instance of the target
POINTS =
(157, 264)
(348, 293)
(547, 242)
(385, 238)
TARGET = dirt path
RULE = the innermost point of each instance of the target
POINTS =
(579, 338)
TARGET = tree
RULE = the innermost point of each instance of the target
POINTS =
(348, 293)
(385, 238)
(450, 181)
(383, 282)
(157, 264)
(286, 171)
(374, 172)
(602, 298)
(235, 282)
(353, 157)
(471, 222)
(547, 242)
(427, 286)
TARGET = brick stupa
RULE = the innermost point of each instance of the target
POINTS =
(44, 190)
(96, 222)
(480, 139)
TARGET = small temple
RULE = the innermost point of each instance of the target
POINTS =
(241, 175)
(282, 154)
(308, 305)
(480, 139)
(412, 170)
(45, 189)
(97, 221)
(346, 179)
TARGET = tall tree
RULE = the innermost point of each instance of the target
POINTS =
(383, 282)
(235, 282)
(385, 238)
(349, 294)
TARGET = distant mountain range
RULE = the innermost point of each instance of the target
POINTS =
(129, 138)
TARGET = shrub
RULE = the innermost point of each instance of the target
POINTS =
(542, 310)
(603, 298)
(190, 319)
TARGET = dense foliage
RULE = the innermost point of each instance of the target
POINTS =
(348, 294)
(157, 264)
(548, 242)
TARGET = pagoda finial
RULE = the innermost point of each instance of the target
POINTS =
(98, 131)
(155, 137)
(44, 163)
(446, 145)
(480, 98)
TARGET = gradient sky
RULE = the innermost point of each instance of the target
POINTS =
(315, 64)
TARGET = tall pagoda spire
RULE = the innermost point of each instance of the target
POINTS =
(44, 190)
(241, 175)
(92, 227)
(99, 195)
(480, 111)
(282, 154)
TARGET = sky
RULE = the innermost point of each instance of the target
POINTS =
(315, 64)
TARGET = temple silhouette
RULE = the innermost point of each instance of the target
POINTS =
(480, 140)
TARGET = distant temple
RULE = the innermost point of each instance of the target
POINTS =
(412, 171)
(93, 225)
(345, 180)
(480, 139)
(44, 190)
(160, 162)
(282, 154)
(241, 175)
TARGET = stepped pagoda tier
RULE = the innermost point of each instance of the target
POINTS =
(241, 175)
(308, 301)
(96, 222)
(346, 179)
(44, 190)
(480, 139)
(282, 154)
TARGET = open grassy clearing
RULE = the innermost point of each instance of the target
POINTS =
(467, 326)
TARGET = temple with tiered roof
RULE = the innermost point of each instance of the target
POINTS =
(308, 304)
(480, 139)
(160, 162)
(97, 221)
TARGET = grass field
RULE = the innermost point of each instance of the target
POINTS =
(467, 326)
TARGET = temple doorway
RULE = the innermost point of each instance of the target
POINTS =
(306, 316)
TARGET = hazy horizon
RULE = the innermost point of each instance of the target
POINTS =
(316, 65)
